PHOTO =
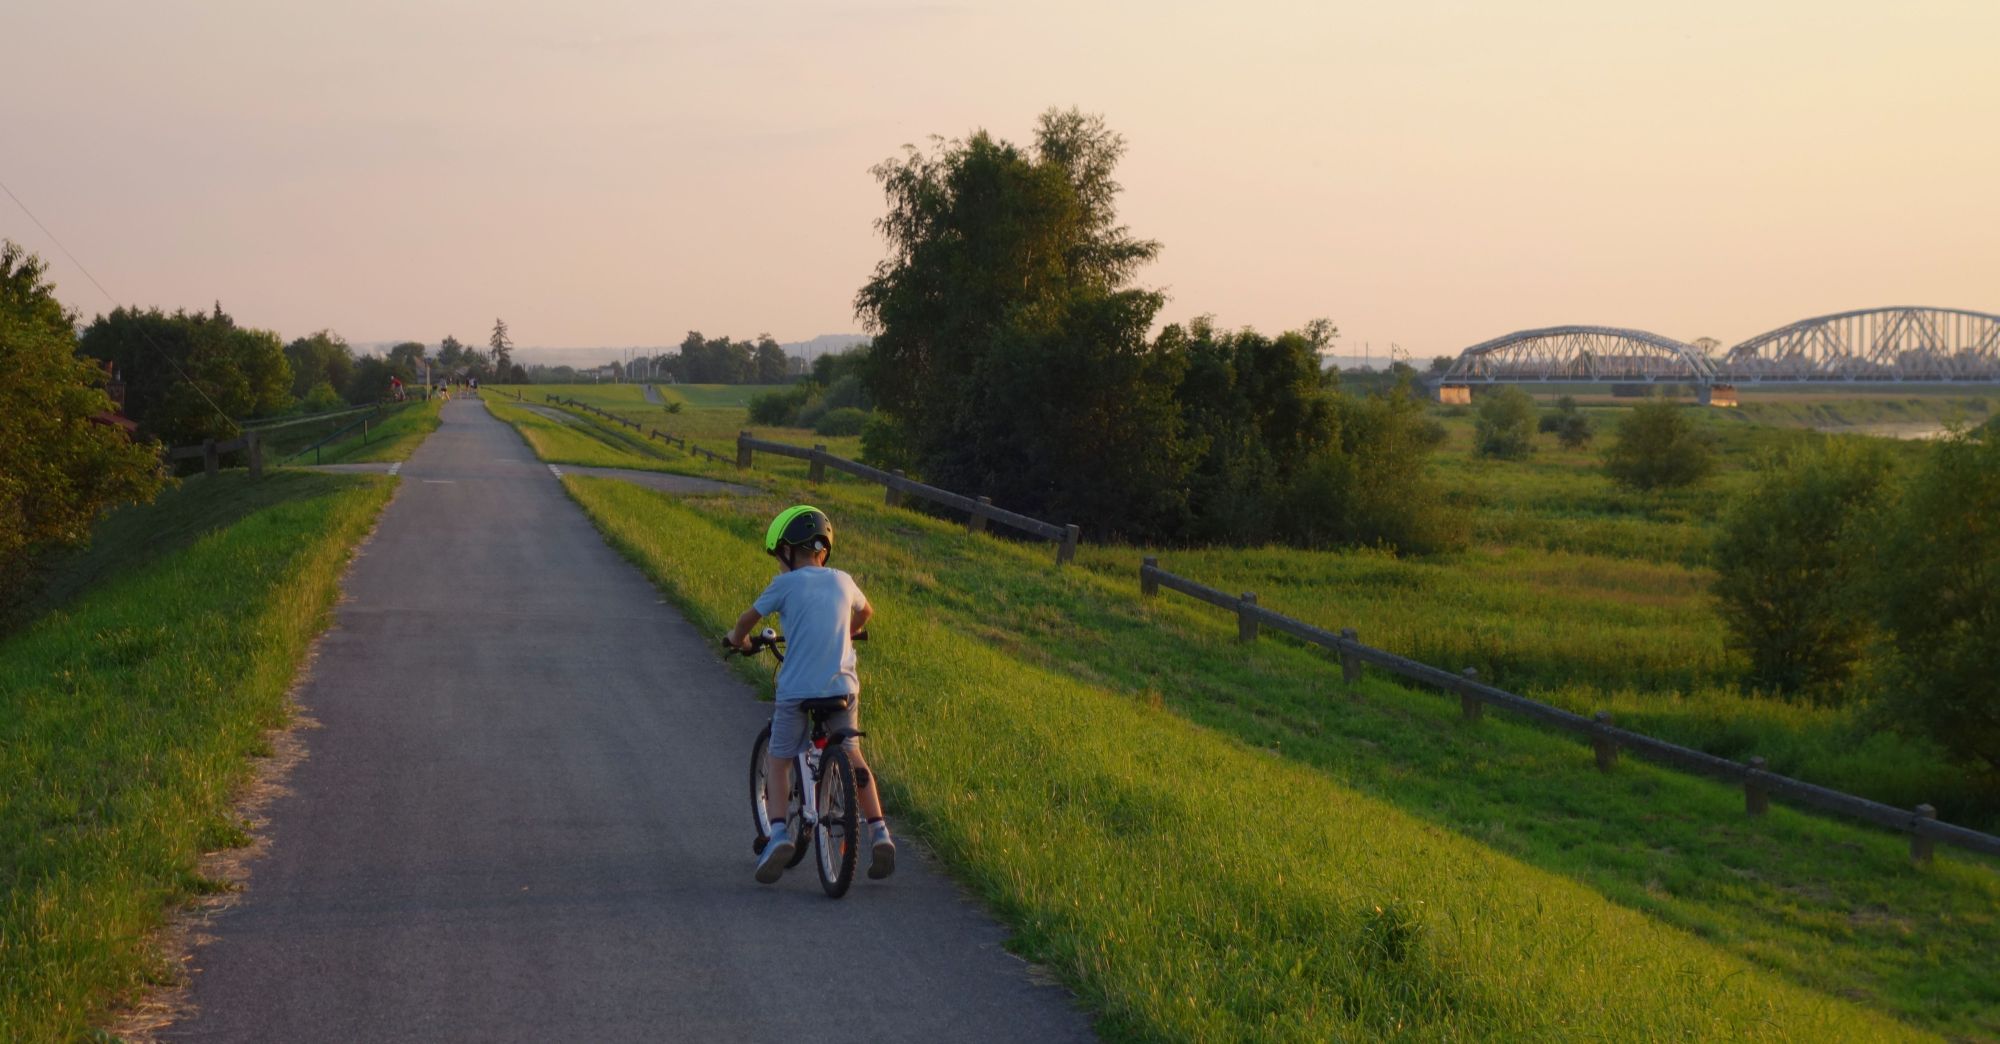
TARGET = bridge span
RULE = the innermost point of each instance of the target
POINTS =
(1899, 345)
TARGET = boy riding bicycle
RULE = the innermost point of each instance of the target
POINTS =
(823, 610)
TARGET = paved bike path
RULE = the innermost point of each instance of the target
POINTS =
(522, 816)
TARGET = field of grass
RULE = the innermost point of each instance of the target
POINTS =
(712, 424)
(1201, 883)
(128, 716)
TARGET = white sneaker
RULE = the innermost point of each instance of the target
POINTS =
(882, 859)
(771, 865)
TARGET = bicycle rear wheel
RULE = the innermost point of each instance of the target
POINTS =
(836, 834)
(759, 817)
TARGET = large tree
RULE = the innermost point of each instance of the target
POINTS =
(58, 471)
(1010, 347)
(191, 376)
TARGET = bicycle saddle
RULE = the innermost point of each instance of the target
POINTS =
(825, 704)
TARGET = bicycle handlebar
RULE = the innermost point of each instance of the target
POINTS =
(770, 639)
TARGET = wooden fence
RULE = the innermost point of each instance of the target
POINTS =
(650, 433)
(211, 451)
(1606, 739)
(979, 510)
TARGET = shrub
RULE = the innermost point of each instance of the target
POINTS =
(1506, 425)
(1936, 586)
(780, 408)
(844, 421)
(1657, 447)
(1574, 430)
(322, 398)
(1787, 565)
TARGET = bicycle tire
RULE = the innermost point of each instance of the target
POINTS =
(759, 818)
(836, 834)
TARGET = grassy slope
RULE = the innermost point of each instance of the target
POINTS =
(1833, 906)
(395, 439)
(125, 721)
(1145, 860)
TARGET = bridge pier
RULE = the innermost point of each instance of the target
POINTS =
(1454, 394)
(1718, 395)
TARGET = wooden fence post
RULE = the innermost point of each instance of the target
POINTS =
(743, 451)
(976, 521)
(1920, 846)
(1066, 551)
(816, 474)
(1246, 622)
(891, 496)
(211, 462)
(1350, 661)
(1756, 800)
(1470, 706)
(1605, 746)
(256, 456)
(1149, 585)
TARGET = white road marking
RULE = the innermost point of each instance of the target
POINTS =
(556, 471)
(396, 467)
(439, 482)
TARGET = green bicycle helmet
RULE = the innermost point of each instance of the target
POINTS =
(801, 525)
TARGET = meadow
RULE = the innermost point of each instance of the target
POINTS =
(130, 712)
(1833, 908)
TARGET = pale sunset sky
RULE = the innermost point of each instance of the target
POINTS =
(1426, 172)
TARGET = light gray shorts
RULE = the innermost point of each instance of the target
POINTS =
(791, 729)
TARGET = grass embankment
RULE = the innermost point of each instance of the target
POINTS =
(127, 718)
(564, 436)
(395, 438)
(1833, 906)
(1191, 885)
(710, 415)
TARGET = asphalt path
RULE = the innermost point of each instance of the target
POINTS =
(522, 817)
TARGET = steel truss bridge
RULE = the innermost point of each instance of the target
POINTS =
(1887, 345)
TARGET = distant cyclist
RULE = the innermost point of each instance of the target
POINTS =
(823, 610)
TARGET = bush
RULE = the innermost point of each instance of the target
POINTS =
(1506, 425)
(1788, 563)
(844, 421)
(322, 399)
(1373, 487)
(780, 408)
(1936, 586)
(1658, 447)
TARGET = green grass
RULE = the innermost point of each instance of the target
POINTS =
(394, 439)
(738, 395)
(1204, 883)
(127, 719)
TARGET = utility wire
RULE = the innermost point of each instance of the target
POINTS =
(145, 336)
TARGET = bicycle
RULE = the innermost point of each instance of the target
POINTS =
(822, 798)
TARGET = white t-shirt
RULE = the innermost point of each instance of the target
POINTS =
(818, 605)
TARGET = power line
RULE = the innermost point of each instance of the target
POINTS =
(147, 337)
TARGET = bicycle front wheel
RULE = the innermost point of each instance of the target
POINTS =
(835, 835)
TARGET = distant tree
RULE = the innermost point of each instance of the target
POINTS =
(502, 347)
(1789, 564)
(1505, 427)
(1656, 446)
(771, 363)
(58, 471)
(1707, 346)
(1440, 365)
(407, 358)
(322, 358)
(450, 353)
(832, 366)
(516, 375)
(1936, 589)
(370, 380)
(190, 377)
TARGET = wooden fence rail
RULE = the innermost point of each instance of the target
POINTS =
(654, 433)
(1606, 739)
(979, 510)
(211, 451)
